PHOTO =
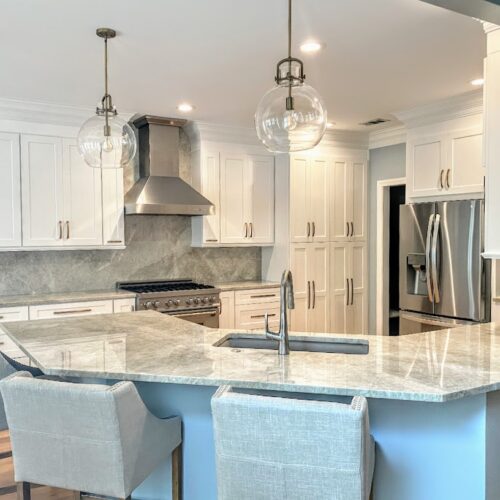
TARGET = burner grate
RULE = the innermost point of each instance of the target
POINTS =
(164, 287)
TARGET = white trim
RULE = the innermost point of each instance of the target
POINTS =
(470, 103)
(382, 254)
(387, 137)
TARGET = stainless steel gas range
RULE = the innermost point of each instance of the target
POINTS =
(184, 299)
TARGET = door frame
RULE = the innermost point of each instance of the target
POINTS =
(382, 253)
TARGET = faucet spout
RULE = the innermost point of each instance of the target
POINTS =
(287, 301)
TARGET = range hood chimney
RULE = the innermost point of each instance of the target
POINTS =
(160, 190)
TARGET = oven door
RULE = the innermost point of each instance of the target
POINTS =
(206, 317)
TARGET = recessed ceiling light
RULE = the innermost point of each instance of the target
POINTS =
(185, 107)
(477, 82)
(311, 47)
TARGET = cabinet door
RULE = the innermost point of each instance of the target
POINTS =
(226, 318)
(113, 213)
(301, 287)
(465, 173)
(339, 287)
(317, 273)
(10, 191)
(299, 200)
(210, 188)
(340, 208)
(358, 308)
(82, 199)
(318, 194)
(234, 223)
(358, 199)
(123, 305)
(68, 310)
(42, 190)
(260, 187)
(426, 166)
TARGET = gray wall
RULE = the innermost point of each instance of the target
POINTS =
(157, 247)
(385, 163)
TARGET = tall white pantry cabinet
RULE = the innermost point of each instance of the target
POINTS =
(321, 235)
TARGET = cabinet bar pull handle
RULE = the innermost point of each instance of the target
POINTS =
(314, 294)
(67, 229)
(114, 241)
(262, 316)
(1, 317)
(263, 296)
(348, 292)
(352, 229)
(309, 295)
(441, 179)
(352, 291)
(308, 229)
(347, 224)
(448, 179)
(251, 229)
(245, 227)
(313, 229)
(60, 230)
(207, 241)
(73, 311)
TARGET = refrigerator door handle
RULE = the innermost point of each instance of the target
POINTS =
(434, 271)
(428, 264)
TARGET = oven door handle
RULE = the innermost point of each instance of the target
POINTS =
(211, 312)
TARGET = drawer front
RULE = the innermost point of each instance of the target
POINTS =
(9, 347)
(123, 305)
(250, 317)
(51, 311)
(257, 296)
(13, 314)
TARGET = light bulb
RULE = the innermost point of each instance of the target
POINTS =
(107, 145)
(289, 120)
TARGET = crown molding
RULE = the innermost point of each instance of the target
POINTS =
(389, 136)
(47, 113)
(470, 103)
(489, 27)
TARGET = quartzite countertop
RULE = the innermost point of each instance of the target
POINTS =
(63, 297)
(148, 346)
(228, 286)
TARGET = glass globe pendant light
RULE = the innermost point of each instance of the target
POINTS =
(292, 115)
(106, 140)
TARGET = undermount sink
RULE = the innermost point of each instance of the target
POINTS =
(309, 344)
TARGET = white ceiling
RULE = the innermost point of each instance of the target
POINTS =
(381, 56)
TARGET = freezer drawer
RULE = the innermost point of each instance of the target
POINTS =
(417, 323)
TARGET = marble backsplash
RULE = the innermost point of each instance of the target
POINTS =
(157, 247)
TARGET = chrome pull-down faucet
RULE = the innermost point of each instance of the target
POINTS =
(286, 302)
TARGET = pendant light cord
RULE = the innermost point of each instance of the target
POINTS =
(106, 96)
(290, 49)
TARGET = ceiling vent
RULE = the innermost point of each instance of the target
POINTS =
(375, 121)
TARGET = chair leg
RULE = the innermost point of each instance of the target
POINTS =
(23, 491)
(177, 473)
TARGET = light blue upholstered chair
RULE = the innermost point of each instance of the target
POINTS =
(87, 438)
(285, 448)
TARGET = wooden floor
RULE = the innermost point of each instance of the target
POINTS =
(8, 487)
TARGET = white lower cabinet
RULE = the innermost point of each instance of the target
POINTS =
(226, 317)
(66, 310)
(20, 313)
(348, 288)
(7, 345)
(310, 269)
(123, 305)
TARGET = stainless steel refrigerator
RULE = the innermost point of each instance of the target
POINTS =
(443, 279)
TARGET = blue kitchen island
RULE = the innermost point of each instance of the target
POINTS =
(433, 397)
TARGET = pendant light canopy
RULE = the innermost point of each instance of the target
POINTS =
(106, 140)
(292, 115)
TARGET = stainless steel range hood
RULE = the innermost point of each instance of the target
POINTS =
(160, 190)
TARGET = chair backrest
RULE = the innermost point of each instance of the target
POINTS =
(72, 436)
(6, 369)
(276, 447)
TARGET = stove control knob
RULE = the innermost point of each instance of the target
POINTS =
(148, 305)
(189, 302)
(197, 301)
(177, 302)
(157, 304)
(170, 303)
(205, 300)
(211, 299)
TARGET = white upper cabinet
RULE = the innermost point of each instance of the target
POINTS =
(10, 191)
(82, 199)
(246, 199)
(309, 199)
(42, 190)
(447, 161)
(348, 186)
